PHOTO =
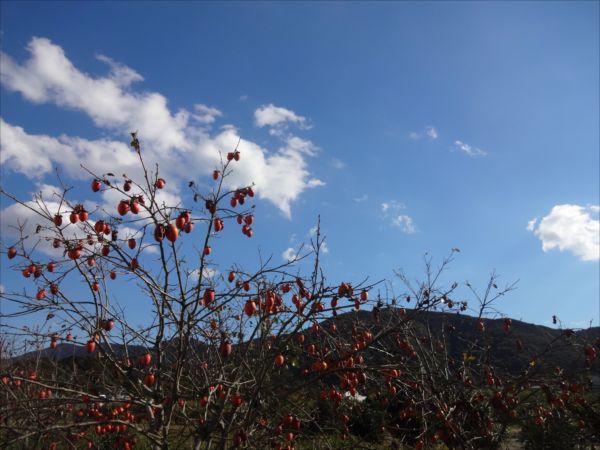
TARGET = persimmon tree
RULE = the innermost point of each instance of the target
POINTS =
(232, 358)
(210, 357)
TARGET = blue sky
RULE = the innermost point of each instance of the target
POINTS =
(409, 127)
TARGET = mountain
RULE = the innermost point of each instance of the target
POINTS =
(511, 351)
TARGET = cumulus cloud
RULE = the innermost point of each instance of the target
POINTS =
(570, 228)
(271, 115)
(428, 132)
(35, 155)
(49, 76)
(468, 149)
(176, 141)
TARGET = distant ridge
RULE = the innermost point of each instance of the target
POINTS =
(459, 330)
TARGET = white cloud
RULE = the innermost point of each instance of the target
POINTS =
(468, 149)
(37, 155)
(36, 160)
(315, 182)
(18, 219)
(429, 132)
(570, 228)
(49, 76)
(206, 114)
(271, 115)
(362, 198)
(280, 177)
(405, 223)
(392, 205)
(289, 254)
(174, 141)
(22, 220)
(390, 212)
(207, 272)
(337, 163)
(531, 224)
(312, 233)
(121, 74)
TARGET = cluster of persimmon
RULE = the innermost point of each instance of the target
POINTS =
(110, 420)
(288, 427)
(79, 214)
(246, 223)
(36, 270)
(233, 156)
(239, 196)
(113, 420)
(405, 346)
(132, 205)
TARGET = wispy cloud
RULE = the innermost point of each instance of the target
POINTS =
(207, 272)
(469, 150)
(337, 163)
(570, 228)
(363, 198)
(405, 223)
(206, 114)
(391, 213)
(429, 132)
(324, 247)
(391, 206)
